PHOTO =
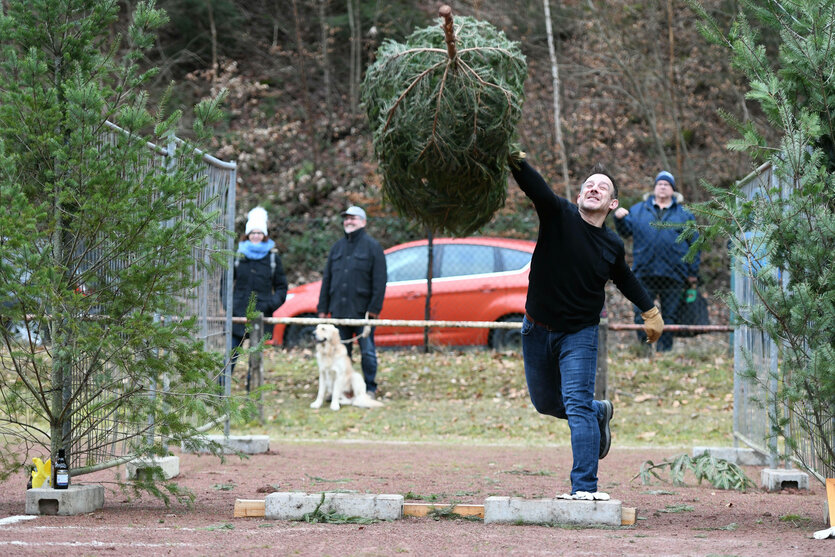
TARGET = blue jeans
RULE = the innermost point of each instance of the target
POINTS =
(668, 291)
(368, 354)
(560, 369)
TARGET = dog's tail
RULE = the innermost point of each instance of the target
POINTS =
(361, 397)
(364, 401)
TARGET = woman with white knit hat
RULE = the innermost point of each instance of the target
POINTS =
(258, 271)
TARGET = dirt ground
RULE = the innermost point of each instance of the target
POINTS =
(693, 520)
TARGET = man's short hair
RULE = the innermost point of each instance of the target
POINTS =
(600, 168)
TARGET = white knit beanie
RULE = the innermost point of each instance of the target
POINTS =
(256, 220)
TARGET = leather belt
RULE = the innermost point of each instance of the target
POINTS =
(548, 328)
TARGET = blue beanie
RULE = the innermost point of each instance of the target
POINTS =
(664, 175)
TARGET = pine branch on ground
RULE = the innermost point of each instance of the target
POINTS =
(721, 473)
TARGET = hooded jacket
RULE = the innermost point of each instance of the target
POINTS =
(655, 251)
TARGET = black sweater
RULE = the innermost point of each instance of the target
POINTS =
(572, 262)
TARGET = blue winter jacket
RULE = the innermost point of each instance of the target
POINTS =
(655, 251)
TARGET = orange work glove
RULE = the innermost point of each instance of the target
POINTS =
(653, 324)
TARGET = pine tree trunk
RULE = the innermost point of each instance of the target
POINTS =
(427, 308)
(60, 367)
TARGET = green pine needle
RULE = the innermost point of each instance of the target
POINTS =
(721, 473)
(443, 128)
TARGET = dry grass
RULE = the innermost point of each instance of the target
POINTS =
(678, 399)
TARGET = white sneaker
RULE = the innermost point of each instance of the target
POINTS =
(585, 496)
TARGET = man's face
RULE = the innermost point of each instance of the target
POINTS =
(596, 194)
(663, 189)
(351, 223)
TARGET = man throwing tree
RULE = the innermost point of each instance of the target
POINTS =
(574, 257)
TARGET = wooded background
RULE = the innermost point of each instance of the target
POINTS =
(638, 89)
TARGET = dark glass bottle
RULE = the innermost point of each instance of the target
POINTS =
(61, 472)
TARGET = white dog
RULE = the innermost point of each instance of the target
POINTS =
(337, 378)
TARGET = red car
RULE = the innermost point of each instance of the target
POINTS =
(475, 279)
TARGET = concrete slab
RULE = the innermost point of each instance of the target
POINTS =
(515, 510)
(736, 455)
(294, 505)
(247, 444)
(76, 499)
(776, 479)
(170, 466)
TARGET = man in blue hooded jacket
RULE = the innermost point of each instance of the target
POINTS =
(657, 258)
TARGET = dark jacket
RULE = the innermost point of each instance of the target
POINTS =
(269, 286)
(354, 280)
(655, 251)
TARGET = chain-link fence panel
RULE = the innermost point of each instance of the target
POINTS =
(758, 369)
(104, 432)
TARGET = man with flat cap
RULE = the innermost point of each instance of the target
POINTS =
(353, 287)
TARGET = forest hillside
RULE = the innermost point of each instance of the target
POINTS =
(638, 89)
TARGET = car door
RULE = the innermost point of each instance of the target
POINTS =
(405, 295)
(463, 290)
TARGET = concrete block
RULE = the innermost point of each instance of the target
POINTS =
(76, 499)
(736, 455)
(294, 505)
(776, 479)
(170, 466)
(515, 510)
(247, 444)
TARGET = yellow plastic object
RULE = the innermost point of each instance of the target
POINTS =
(42, 473)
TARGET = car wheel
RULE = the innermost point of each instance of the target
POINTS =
(299, 336)
(507, 339)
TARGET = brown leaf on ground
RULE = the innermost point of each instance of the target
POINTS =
(267, 489)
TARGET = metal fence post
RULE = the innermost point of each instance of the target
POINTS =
(228, 287)
(255, 373)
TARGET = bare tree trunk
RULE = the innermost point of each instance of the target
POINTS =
(672, 88)
(213, 31)
(555, 78)
(323, 9)
(274, 16)
(356, 46)
(308, 108)
(636, 84)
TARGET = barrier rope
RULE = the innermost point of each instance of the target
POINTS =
(612, 326)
